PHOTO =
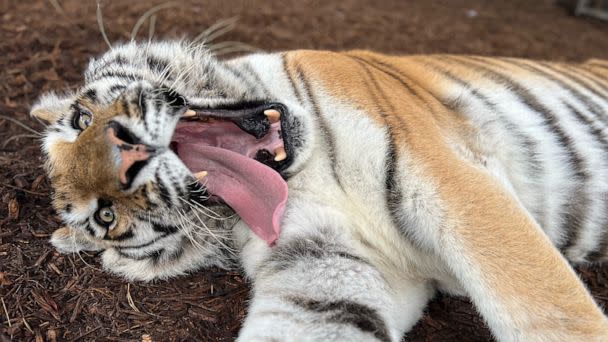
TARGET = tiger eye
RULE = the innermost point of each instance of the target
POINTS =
(106, 215)
(84, 120)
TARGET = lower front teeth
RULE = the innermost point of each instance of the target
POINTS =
(200, 175)
(280, 154)
(273, 115)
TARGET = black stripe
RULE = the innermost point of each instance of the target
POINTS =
(130, 102)
(583, 99)
(322, 124)
(154, 255)
(149, 243)
(116, 88)
(179, 252)
(347, 312)
(164, 228)
(91, 94)
(124, 236)
(164, 194)
(591, 104)
(395, 74)
(257, 80)
(175, 183)
(590, 81)
(156, 64)
(89, 229)
(289, 254)
(113, 62)
(119, 75)
(143, 107)
(294, 87)
(576, 205)
(392, 189)
(592, 127)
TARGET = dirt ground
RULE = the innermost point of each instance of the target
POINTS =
(52, 297)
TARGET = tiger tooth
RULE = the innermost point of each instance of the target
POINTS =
(200, 175)
(189, 113)
(273, 115)
(280, 154)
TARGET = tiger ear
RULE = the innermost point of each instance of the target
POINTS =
(50, 107)
(71, 240)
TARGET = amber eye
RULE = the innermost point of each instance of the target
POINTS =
(84, 120)
(81, 119)
(105, 216)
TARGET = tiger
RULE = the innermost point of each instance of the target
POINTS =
(348, 187)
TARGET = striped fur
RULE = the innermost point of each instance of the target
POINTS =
(463, 174)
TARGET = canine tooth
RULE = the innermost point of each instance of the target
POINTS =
(200, 175)
(273, 115)
(280, 154)
(189, 113)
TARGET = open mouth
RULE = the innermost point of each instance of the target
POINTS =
(238, 154)
(255, 132)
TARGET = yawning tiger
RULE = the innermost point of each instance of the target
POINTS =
(349, 187)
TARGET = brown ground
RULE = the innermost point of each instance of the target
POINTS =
(47, 296)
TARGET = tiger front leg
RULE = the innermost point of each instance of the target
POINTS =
(518, 281)
(311, 287)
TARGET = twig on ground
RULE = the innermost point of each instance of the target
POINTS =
(20, 124)
(130, 299)
(8, 318)
(24, 190)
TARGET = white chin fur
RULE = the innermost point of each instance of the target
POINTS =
(67, 240)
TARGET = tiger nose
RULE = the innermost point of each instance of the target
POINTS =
(130, 154)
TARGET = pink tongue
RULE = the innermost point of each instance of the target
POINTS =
(255, 191)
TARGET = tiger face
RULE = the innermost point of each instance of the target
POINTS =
(124, 159)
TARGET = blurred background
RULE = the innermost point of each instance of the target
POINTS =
(45, 45)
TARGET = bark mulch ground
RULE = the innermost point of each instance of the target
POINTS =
(46, 44)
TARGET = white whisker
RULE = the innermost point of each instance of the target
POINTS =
(216, 235)
(147, 14)
(151, 28)
(188, 232)
(231, 44)
(101, 27)
(21, 124)
(216, 30)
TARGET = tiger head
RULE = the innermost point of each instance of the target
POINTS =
(147, 160)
